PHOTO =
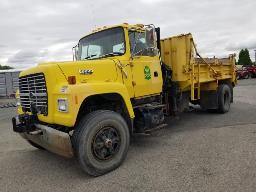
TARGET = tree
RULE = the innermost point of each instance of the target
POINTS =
(244, 57)
(4, 67)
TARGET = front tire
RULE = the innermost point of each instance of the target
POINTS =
(101, 142)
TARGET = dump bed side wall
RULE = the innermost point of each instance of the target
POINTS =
(176, 53)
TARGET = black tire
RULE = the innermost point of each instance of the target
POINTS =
(35, 145)
(96, 150)
(224, 98)
(247, 76)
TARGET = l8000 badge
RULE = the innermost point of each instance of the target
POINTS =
(86, 71)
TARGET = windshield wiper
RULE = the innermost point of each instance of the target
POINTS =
(111, 54)
(89, 56)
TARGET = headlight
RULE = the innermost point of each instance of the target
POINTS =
(17, 96)
(17, 101)
(63, 105)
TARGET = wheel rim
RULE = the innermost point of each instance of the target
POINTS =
(106, 143)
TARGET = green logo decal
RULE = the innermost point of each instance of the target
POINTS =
(147, 73)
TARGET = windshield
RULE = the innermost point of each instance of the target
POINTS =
(105, 43)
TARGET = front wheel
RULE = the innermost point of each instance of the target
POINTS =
(101, 142)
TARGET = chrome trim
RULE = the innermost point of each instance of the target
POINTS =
(33, 90)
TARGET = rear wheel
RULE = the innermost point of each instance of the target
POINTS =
(101, 142)
(224, 98)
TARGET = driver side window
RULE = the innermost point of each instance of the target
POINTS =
(138, 43)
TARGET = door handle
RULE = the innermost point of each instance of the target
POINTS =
(155, 74)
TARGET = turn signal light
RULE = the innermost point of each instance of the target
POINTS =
(72, 80)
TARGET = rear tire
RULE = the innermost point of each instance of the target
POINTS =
(101, 142)
(224, 98)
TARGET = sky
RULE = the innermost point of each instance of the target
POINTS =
(36, 31)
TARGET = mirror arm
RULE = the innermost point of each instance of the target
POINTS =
(74, 51)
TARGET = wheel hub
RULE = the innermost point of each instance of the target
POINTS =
(106, 143)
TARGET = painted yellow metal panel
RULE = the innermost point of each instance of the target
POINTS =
(106, 78)
(176, 53)
(147, 75)
(192, 73)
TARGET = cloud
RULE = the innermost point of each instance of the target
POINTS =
(45, 30)
(249, 44)
(28, 57)
(24, 58)
(152, 1)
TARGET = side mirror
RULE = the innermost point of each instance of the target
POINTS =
(150, 37)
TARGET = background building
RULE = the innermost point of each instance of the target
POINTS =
(9, 82)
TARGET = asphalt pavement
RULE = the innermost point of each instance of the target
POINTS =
(198, 151)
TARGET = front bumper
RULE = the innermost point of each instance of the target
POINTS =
(49, 138)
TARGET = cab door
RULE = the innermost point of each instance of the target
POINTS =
(145, 67)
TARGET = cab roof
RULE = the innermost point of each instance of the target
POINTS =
(124, 25)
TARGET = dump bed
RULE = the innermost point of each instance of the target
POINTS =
(189, 69)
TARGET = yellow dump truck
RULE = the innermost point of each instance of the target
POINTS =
(124, 80)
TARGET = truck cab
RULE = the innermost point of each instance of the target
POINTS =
(127, 46)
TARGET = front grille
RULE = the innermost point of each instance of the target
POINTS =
(33, 92)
